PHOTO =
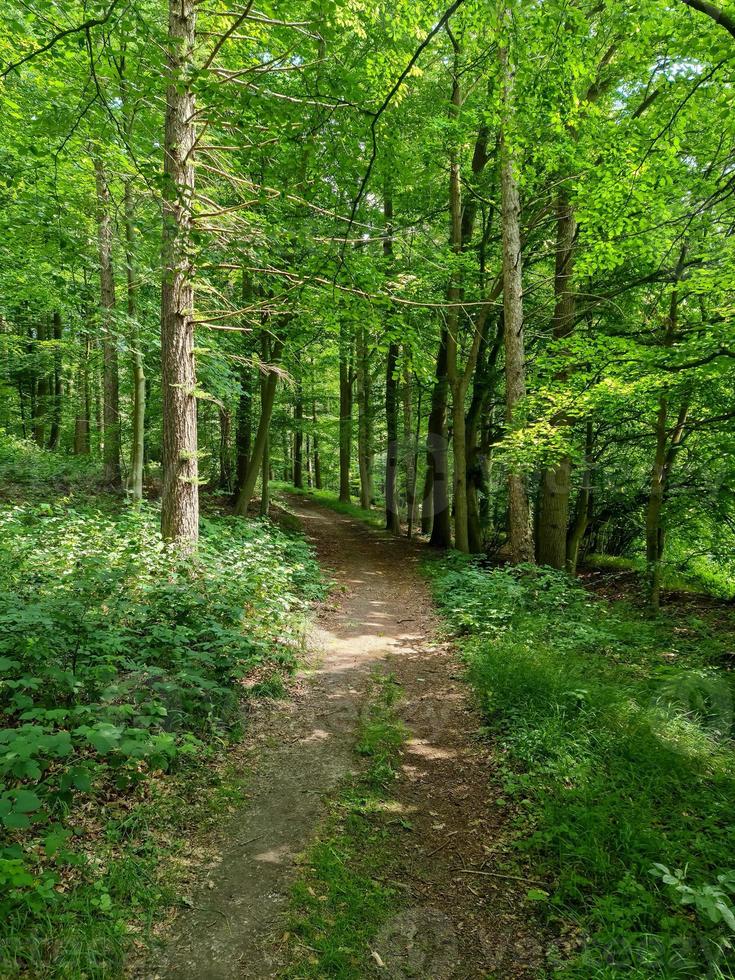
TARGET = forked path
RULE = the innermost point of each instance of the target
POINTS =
(460, 921)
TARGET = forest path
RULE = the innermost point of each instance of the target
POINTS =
(458, 923)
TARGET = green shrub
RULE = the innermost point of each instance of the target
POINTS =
(617, 735)
(120, 658)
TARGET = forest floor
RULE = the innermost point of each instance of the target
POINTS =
(453, 914)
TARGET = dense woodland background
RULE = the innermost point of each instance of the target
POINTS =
(432, 257)
(471, 268)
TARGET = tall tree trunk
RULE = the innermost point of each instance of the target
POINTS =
(267, 398)
(556, 480)
(477, 477)
(454, 295)
(83, 403)
(409, 445)
(265, 475)
(392, 514)
(519, 518)
(225, 458)
(437, 456)
(243, 435)
(56, 414)
(578, 526)
(364, 419)
(345, 414)
(39, 401)
(180, 497)
(137, 451)
(110, 374)
(298, 444)
(317, 458)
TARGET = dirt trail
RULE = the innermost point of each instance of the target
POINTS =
(460, 923)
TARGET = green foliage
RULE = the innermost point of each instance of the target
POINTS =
(121, 659)
(617, 734)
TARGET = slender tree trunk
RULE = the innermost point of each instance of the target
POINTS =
(137, 454)
(243, 435)
(180, 497)
(345, 415)
(519, 518)
(110, 374)
(267, 398)
(225, 458)
(39, 402)
(454, 294)
(317, 458)
(437, 456)
(364, 420)
(56, 414)
(409, 446)
(265, 475)
(392, 514)
(83, 404)
(298, 445)
(582, 513)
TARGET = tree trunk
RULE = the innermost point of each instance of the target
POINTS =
(364, 421)
(225, 459)
(317, 459)
(180, 496)
(56, 414)
(519, 522)
(298, 445)
(267, 398)
(110, 376)
(345, 416)
(582, 513)
(137, 453)
(83, 404)
(556, 480)
(437, 460)
(409, 446)
(39, 399)
(392, 514)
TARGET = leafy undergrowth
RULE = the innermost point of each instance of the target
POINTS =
(376, 518)
(617, 735)
(123, 666)
(341, 900)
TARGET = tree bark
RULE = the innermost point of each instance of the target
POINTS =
(364, 420)
(137, 454)
(39, 390)
(267, 398)
(582, 515)
(410, 446)
(392, 514)
(110, 371)
(317, 458)
(298, 445)
(57, 383)
(519, 518)
(83, 403)
(437, 461)
(556, 480)
(345, 414)
(180, 496)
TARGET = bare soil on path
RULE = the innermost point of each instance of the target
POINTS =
(461, 919)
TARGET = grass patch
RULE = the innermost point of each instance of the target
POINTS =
(327, 498)
(617, 734)
(344, 893)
